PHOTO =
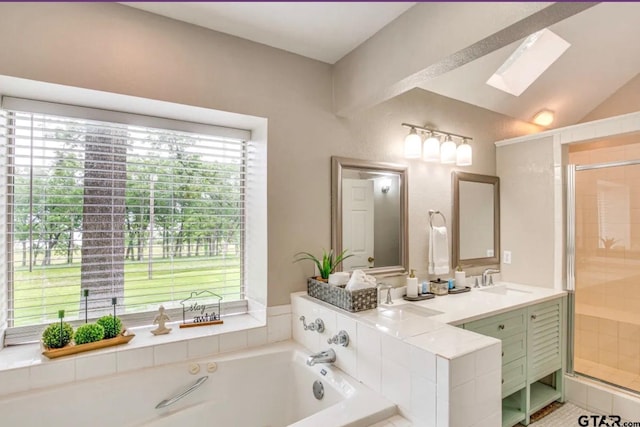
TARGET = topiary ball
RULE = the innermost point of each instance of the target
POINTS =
(90, 332)
(51, 335)
(112, 326)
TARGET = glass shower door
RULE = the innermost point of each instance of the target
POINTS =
(606, 343)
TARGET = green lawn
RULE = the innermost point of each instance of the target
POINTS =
(57, 287)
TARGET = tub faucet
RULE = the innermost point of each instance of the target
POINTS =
(327, 356)
(487, 272)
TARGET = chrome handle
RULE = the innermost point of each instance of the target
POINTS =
(501, 327)
(341, 338)
(174, 399)
(316, 325)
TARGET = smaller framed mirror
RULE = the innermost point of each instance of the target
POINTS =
(369, 215)
(476, 220)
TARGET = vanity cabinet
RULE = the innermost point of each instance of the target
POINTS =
(532, 356)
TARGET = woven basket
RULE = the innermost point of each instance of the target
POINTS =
(362, 299)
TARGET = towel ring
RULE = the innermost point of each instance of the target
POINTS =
(431, 215)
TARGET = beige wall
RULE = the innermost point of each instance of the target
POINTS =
(526, 172)
(110, 47)
(624, 100)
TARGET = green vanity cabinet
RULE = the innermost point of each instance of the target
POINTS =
(532, 356)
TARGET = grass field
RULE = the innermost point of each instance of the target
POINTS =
(39, 294)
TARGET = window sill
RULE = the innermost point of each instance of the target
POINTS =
(28, 355)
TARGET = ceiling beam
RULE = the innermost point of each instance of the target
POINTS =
(435, 40)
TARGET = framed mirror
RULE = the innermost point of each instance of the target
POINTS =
(369, 215)
(476, 220)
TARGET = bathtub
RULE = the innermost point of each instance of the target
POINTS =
(268, 386)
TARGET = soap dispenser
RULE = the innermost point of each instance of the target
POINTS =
(412, 285)
(461, 278)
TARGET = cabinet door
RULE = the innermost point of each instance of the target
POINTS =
(544, 341)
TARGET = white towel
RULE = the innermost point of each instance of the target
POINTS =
(438, 251)
(359, 280)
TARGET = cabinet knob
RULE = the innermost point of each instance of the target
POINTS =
(501, 327)
(371, 259)
(534, 317)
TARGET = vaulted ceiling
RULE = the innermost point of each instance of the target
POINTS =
(602, 57)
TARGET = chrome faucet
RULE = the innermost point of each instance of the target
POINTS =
(327, 356)
(487, 272)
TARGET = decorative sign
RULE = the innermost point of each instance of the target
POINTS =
(200, 309)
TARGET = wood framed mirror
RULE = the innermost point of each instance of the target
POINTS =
(369, 215)
(476, 220)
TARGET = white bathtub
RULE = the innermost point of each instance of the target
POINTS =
(265, 387)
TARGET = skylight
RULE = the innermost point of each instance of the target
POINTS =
(528, 62)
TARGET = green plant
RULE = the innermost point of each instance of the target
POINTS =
(112, 326)
(90, 332)
(51, 335)
(328, 264)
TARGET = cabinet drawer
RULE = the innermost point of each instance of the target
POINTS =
(500, 326)
(514, 376)
(514, 347)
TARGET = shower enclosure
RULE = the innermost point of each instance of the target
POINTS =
(603, 260)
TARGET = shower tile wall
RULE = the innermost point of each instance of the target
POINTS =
(607, 340)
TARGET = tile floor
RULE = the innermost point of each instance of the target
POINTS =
(565, 416)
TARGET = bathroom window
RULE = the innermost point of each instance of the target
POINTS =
(139, 209)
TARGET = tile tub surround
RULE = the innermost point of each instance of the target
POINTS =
(437, 374)
(237, 381)
(23, 368)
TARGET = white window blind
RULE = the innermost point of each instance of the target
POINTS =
(141, 214)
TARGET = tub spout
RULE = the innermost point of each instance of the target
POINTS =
(327, 356)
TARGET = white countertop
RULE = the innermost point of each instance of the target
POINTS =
(486, 301)
(428, 324)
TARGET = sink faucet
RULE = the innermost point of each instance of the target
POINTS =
(327, 356)
(487, 272)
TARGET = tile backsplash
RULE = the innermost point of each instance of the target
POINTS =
(429, 389)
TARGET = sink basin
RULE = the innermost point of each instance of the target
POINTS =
(504, 290)
(405, 311)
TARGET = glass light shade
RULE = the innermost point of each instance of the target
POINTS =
(544, 118)
(412, 145)
(463, 155)
(448, 151)
(431, 149)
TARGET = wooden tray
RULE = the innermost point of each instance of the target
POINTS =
(53, 353)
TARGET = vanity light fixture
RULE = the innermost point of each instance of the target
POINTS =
(433, 151)
(412, 144)
(448, 151)
(463, 154)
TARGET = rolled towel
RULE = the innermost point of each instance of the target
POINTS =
(359, 280)
(340, 278)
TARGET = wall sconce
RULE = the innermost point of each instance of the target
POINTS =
(433, 151)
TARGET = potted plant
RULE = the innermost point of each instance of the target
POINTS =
(327, 264)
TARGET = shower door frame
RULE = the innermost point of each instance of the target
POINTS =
(570, 287)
